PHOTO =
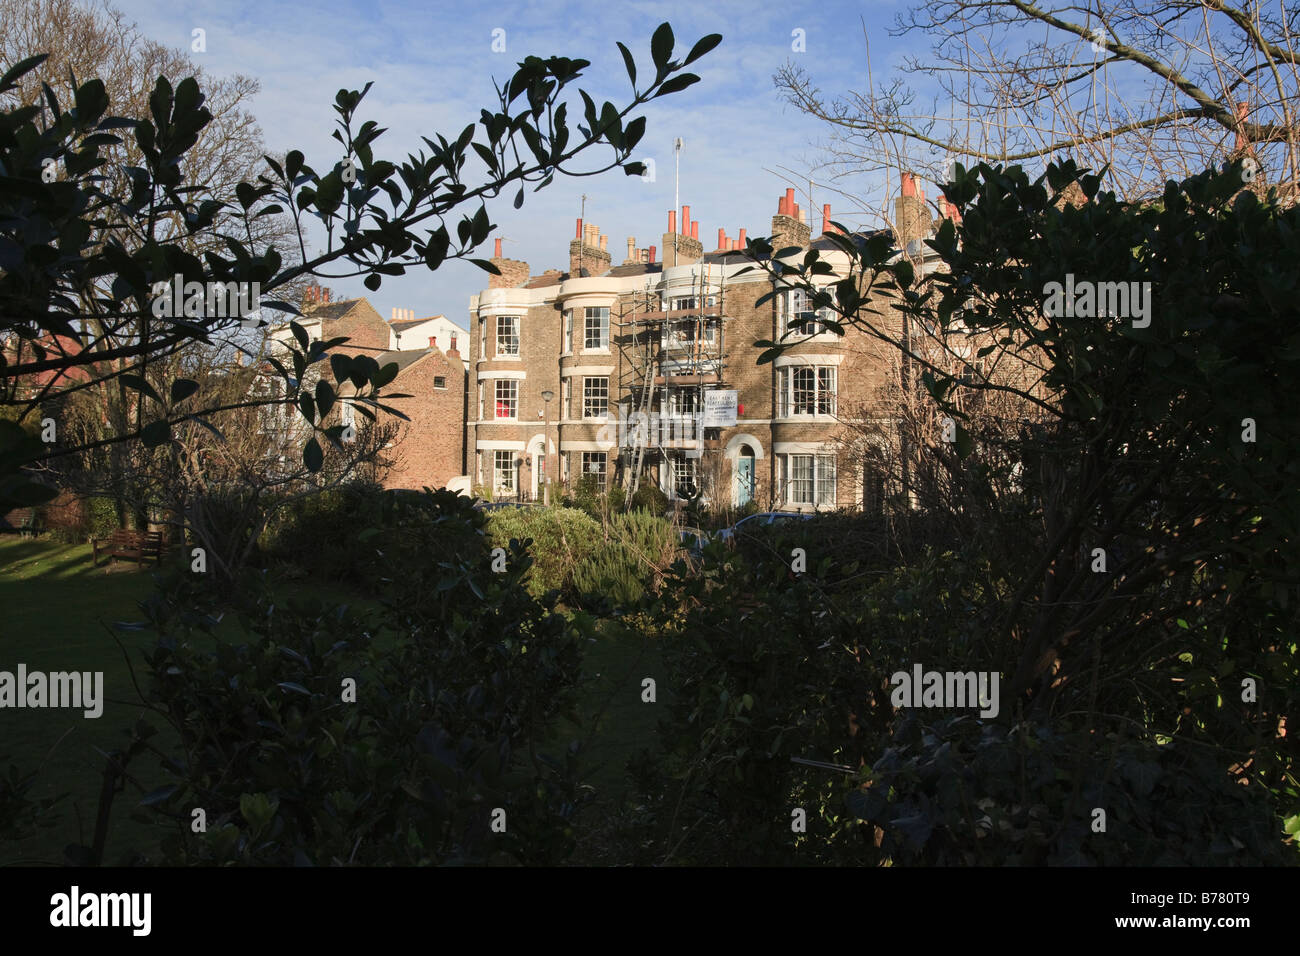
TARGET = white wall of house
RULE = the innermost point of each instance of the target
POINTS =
(417, 336)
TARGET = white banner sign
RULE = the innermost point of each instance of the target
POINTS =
(720, 408)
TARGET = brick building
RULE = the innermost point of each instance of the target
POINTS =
(628, 355)
(430, 448)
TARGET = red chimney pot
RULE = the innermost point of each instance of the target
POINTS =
(653, 250)
(497, 252)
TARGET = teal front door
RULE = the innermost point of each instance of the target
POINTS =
(744, 481)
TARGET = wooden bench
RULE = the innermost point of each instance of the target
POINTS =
(28, 522)
(129, 545)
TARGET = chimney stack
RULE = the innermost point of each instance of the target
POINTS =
(681, 242)
(587, 252)
(787, 229)
(911, 217)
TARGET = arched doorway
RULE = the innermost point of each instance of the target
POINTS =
(745, 477)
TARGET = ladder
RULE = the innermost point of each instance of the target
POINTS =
(647, 397)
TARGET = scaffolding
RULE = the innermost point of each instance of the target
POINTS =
(671, 343)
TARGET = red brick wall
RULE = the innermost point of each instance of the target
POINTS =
(430, 447)
(367, 332)
(65, 511)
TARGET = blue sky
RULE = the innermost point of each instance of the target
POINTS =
(433, 68)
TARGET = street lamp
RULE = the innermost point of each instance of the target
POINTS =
(547, 395)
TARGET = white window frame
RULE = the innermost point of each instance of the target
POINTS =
(794, 301)
(601, 317)
(498, 485)
(482, 338)
(810, 479)
(480, 401)
(567, 342)
(600, 458)
(681, 466)
(678, 407)
(593, 392)
(513, 398)
(506, 334)
(824, 398)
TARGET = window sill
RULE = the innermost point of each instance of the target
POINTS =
(805, 420)
(604, 351)
(507, 358)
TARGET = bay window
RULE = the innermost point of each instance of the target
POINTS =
(806, 390)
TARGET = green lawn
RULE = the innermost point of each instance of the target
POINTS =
(55, 611)
(55, 608)
(616, 723)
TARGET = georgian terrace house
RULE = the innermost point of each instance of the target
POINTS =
(606, 370)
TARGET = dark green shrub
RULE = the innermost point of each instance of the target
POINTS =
(649, 498)
(768, 666)
(102, 518)
(587, 495)
(459, 683)
(562, 539)
(323, 533)
(639, 548)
